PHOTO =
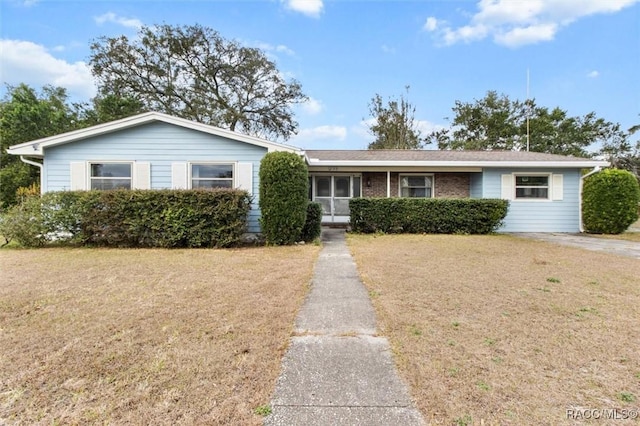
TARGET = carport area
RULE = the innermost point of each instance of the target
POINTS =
(585, 241)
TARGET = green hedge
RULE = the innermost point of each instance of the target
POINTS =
(430, 215)
(313, 225)
(123, 218)
(284, 192)
(610, 201)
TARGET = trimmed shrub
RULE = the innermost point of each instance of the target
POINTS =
(313, 225)
(427, 215)
(284, 191)
(123, 218)
(165, 218)
(610, 201)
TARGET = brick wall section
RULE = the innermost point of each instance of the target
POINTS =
(447, 185)
(452, 185)
(379, 184)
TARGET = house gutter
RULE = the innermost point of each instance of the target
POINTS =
(595, 170)
(38, 165)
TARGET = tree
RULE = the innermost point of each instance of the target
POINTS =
(394, 124)
(195, 73)
(499, 123)
(111, 107)
(26, 115)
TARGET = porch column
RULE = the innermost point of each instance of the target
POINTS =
(388, 184)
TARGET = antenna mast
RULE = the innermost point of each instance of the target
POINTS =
(528, 109)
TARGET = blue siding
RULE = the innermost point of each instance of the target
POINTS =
(538, 216)
(475, 188)
(159, 144)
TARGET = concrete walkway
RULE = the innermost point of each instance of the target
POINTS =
(584, 241)
(337, 371)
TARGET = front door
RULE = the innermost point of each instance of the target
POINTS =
(333, 193)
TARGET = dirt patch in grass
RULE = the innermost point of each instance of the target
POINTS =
(145, 336)
(504, 330)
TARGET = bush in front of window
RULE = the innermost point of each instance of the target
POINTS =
(124, 218)
(166, 218)
(284, 189)
(610, 201)
(429, 216)
(313, 224)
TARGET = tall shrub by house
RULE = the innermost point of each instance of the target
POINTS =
(610, 201)
(284, 189)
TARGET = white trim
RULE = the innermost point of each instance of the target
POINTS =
(233, 164)
(557, 184)
(244, 177)
(179, 175)
(141, 178)
(432, 188)
(506, 187)
(78, 176)
(536, 200)
(388, 184)
(314, 162)
(89, 177)
(36, 148)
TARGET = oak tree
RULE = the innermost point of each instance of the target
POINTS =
(195, 73)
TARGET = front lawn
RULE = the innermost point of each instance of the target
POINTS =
(109, 336)
(502, 330)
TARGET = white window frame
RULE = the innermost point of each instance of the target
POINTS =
(430, 175)
(234, 171)
(532, 199)
(90, 178)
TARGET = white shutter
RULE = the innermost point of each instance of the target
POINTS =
(179, 177)
(507, 187)
(141, 176)
(244, 177)
(557, 190)
(78, 176)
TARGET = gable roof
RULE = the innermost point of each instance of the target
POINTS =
(403, 157)
(36, 148)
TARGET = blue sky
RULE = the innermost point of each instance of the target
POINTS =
(582, 55)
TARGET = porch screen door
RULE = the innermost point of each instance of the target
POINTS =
(334, 193)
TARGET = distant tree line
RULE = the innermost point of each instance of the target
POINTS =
(497, 122)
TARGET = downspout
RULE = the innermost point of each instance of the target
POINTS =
(582, 178)
(39, 165)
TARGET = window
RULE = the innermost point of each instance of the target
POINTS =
(211, 176)
(532, 187)
(416, 186)
(110, 175)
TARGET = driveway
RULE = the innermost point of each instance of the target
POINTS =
(620, 247)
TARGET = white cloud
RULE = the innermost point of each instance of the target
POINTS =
(517, 23)
(431, 24)
(527, 35)
(388, 49)
(312, 106)
(270, 48)
(321, 132)
(593, 74)
(311, 8)
(33, 64)
(426, 126)
(112, 18)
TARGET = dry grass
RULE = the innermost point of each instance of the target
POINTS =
(503, 330)
(632, 234)
(627, 236)
(145, 336)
